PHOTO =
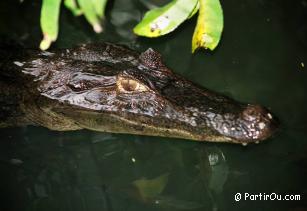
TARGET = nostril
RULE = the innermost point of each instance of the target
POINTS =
(260, 122)
(253, 112)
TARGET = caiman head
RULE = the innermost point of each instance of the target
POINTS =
(111, 88)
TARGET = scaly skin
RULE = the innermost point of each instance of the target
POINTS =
(106, 87)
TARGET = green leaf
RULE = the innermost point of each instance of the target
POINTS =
(195, 10)
(161, 21)
(49, 21)
(88, 8)
(209, 25)
(73, 7)
(100, 6)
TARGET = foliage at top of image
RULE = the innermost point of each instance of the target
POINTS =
(156, 22)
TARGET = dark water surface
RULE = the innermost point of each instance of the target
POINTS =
(259, 60)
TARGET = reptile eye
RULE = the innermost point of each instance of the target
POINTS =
(130, 85)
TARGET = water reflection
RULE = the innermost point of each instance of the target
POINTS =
(125, 18)
(83, 170)
(96, 171)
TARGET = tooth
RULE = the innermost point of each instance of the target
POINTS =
(270, 116)
(261, 125)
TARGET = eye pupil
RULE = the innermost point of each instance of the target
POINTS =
(129, 85)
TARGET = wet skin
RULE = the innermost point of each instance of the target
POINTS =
(106, 87)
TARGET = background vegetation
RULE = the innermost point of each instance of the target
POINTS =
(156, 22)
